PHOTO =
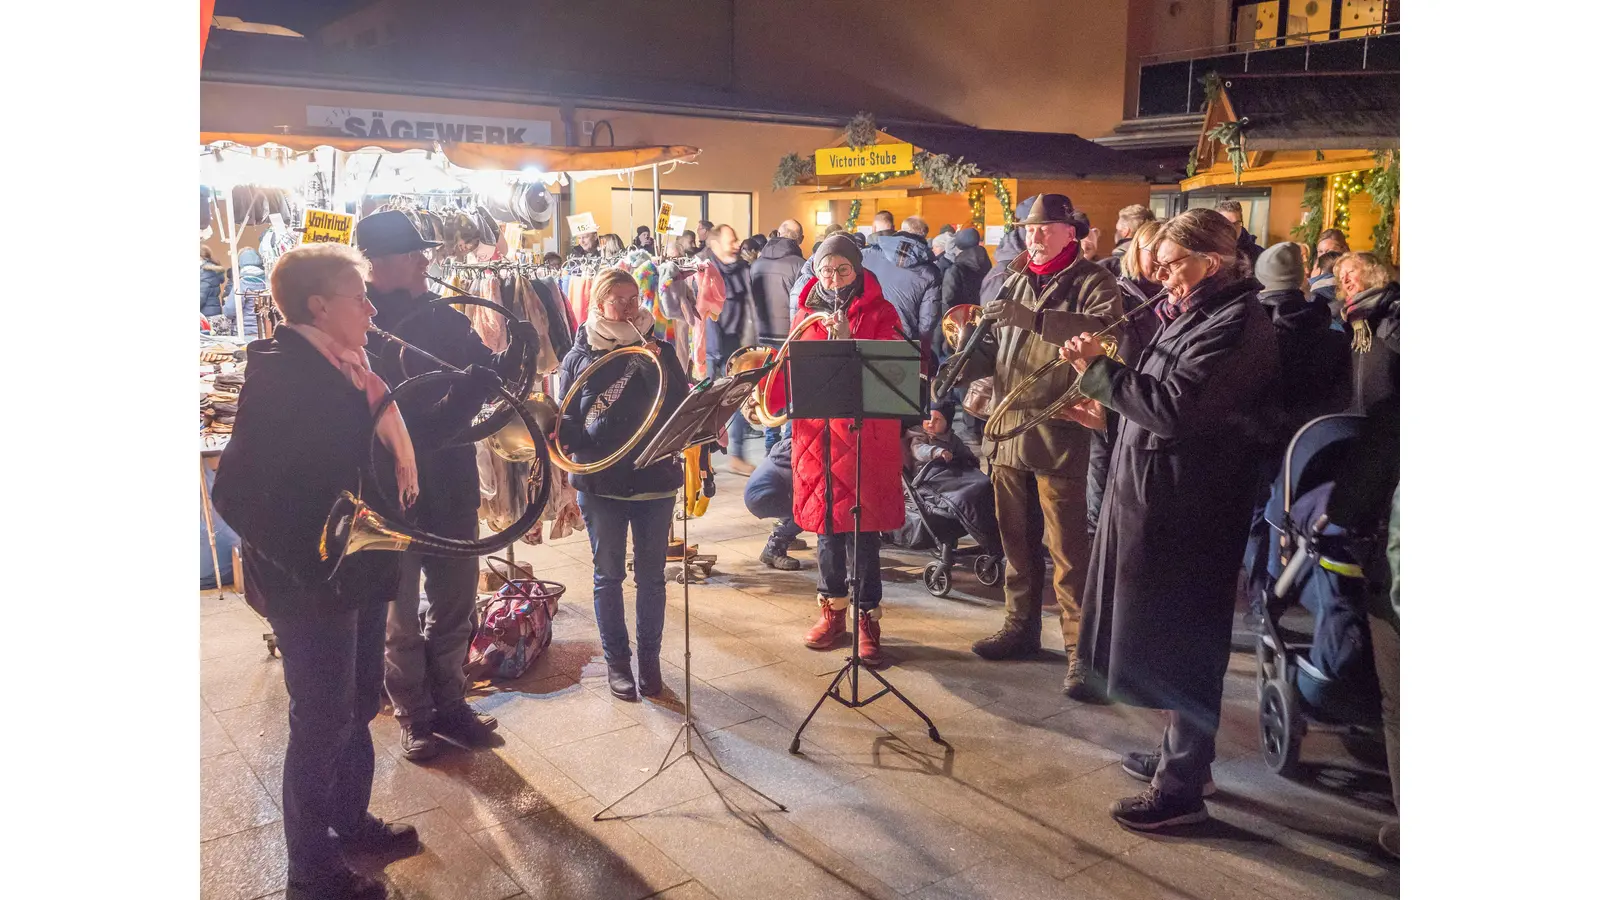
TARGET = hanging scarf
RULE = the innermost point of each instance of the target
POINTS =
(392, 427)
(606, 335)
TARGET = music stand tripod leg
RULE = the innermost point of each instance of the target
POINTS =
(688, 729)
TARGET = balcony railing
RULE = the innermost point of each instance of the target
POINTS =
(1172, 84)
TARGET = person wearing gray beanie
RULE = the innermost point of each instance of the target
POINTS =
(1280, 268)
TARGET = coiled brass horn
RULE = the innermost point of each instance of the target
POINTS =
(633, 353)
(355, 525)
(1072, 395)
(744, 360)
(758, 409)
(964, 328)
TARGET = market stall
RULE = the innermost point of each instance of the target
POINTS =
(494, 207)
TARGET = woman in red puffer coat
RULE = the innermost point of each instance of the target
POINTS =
(843, 287)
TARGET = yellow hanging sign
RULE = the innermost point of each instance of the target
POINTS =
(876, 158)
(323, 226)
(664, 217)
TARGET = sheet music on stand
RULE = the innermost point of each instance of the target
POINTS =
(700, 417)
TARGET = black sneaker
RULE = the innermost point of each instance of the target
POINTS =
(417, 742)
(380, 838)
(1143, 767)
(778, 558)
(1155, 809)
(340, 885)
(1081, 684)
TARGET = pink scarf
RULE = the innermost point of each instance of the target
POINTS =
(392, 427)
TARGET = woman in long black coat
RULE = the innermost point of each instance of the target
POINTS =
(1158, 607)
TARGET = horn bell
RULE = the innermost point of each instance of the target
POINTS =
(353, 527)
(958, 321)
(512, 442)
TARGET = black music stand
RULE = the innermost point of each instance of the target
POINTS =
(696, 421)
(855, 380)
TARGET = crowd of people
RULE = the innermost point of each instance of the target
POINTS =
(1134, 509)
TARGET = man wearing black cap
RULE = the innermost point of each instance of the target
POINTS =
(1039, 476)
(424, 660)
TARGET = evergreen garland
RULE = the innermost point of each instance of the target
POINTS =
(1306, 232)
(1194, 161)
(1231, 137)
(791, 169)
(855, 213)
(1008, 212)
(1383, 185)
(975, 200)
(861, 131)
(943, 174)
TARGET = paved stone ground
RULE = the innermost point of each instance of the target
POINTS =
(1015, 806)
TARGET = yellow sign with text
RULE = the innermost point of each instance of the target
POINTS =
(876, 158)
(327, 227)
(664, 218)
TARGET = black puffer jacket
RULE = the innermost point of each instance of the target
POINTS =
(963, 283)
(1314, 359)
(588, 441)
(772, 280)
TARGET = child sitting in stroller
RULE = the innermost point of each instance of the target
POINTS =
(947, 497)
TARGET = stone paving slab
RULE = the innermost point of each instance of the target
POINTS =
(1014, 804)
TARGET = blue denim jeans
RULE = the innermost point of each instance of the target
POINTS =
(833, 561)
(772, 436)
(609, 521)
(738, 434)
(333, 669)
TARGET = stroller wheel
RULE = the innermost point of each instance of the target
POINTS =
(936, 578)
(1280, 728)
(989, 569)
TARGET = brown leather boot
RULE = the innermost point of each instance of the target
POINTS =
(832, 625)
(1012, 641)
(871, 636)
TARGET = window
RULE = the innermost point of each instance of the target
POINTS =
(1260, 24)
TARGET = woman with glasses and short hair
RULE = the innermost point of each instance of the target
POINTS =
(1196, 416)
(303, 435)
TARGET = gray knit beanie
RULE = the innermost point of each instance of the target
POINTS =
(1280, 268)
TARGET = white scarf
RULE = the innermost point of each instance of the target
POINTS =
(606, 335)
(392, 427)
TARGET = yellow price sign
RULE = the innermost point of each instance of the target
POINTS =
(876, 158)
(323, 226)
(664, 217)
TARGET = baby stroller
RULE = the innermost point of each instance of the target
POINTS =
(1325, 678)
(943, 504)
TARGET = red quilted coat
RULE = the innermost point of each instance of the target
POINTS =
(818, 448)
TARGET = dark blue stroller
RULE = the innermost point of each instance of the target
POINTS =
(945, 503)
(1325, 678)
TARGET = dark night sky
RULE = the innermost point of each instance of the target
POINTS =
(303, 16)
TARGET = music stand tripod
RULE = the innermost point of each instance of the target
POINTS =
(695, 422)
(856, 380)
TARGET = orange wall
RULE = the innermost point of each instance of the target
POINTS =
(1032, 65)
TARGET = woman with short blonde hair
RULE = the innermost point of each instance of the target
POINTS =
(303, 437)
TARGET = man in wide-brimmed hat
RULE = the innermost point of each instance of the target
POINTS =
(1039, 475)
(427, 638)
